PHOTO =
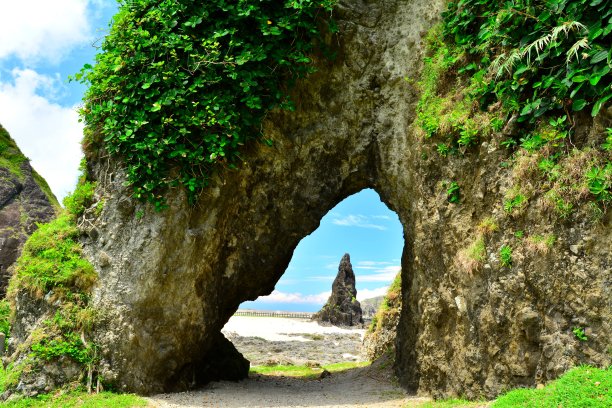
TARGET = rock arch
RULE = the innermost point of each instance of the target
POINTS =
(169, 281)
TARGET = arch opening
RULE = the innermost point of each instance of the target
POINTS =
(277, 329)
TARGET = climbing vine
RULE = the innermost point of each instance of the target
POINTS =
(180, 86)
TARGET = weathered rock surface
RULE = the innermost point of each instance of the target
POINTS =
(25, 200)
(370, 306)
(342, 308)
(168, 281)
(379, 340)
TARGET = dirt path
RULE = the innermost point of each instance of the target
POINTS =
(266, 341)
(362, 387)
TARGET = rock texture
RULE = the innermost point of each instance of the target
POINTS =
(25, 200)
(168, 281)
(370, 306)
(342, 308)
(380, 338)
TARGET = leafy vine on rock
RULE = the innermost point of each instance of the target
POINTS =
(180, 86)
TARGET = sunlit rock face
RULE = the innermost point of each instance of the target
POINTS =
(170, 280)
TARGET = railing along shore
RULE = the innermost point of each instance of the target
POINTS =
(260, 313)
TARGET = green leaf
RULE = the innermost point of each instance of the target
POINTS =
(598, 57)
(597, 106)
(578, 105)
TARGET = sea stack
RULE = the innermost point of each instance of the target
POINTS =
(342, 307)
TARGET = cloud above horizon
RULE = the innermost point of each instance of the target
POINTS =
(283, 297)
(356, 220)
(317, 299)
(46, 132)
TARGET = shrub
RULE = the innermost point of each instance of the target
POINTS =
(181, 85)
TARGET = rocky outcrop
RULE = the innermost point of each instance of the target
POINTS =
(370, 306)
(342, 308)
(25, 200)
(169, 281)
(380, 338)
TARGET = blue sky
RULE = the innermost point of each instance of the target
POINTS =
(42, 43)
(360, 225)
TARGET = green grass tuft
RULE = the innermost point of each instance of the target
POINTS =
(80, 400)
(580, 387)
(303, 371)
(52, 259)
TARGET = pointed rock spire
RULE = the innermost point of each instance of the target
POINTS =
(342, 307)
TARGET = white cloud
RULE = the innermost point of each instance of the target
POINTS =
(47, 133)
(352, 220)
(381, 217)
(33, 30)
(284, 297)
(379, 272)
(375, 265)
(370, 293)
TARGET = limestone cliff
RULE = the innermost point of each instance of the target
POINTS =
(342, 308)
(25, 200)
(168, 281)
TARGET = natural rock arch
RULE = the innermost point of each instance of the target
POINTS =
(168, 281)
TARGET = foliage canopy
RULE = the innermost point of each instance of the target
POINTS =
(551, 56)
(180, 85)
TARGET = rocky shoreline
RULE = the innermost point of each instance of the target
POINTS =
(302, 343)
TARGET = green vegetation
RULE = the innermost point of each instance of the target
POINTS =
(579, 387)
(453, 193)
(539, 57)
(531, 70)
(77, 399)
(580, 334)
(52, 259)
(390, 307)
(472, 257)
(446, 111)
(449, 403)
(181, 85)
(11, 157)
(304, 371)
(505, 255)
(52, 267)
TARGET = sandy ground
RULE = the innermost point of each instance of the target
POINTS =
(288, 340)
(279, 329)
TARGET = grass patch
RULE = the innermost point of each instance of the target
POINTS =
(580, 387)
(11, 157)
(80, 399)
(449, 403)
(52, 259)
(302, 371)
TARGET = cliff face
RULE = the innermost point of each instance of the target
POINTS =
(25, 199)
(168, 281)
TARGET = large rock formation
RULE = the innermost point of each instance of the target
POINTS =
(169, 281)
(342, 308)
(25, 200)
